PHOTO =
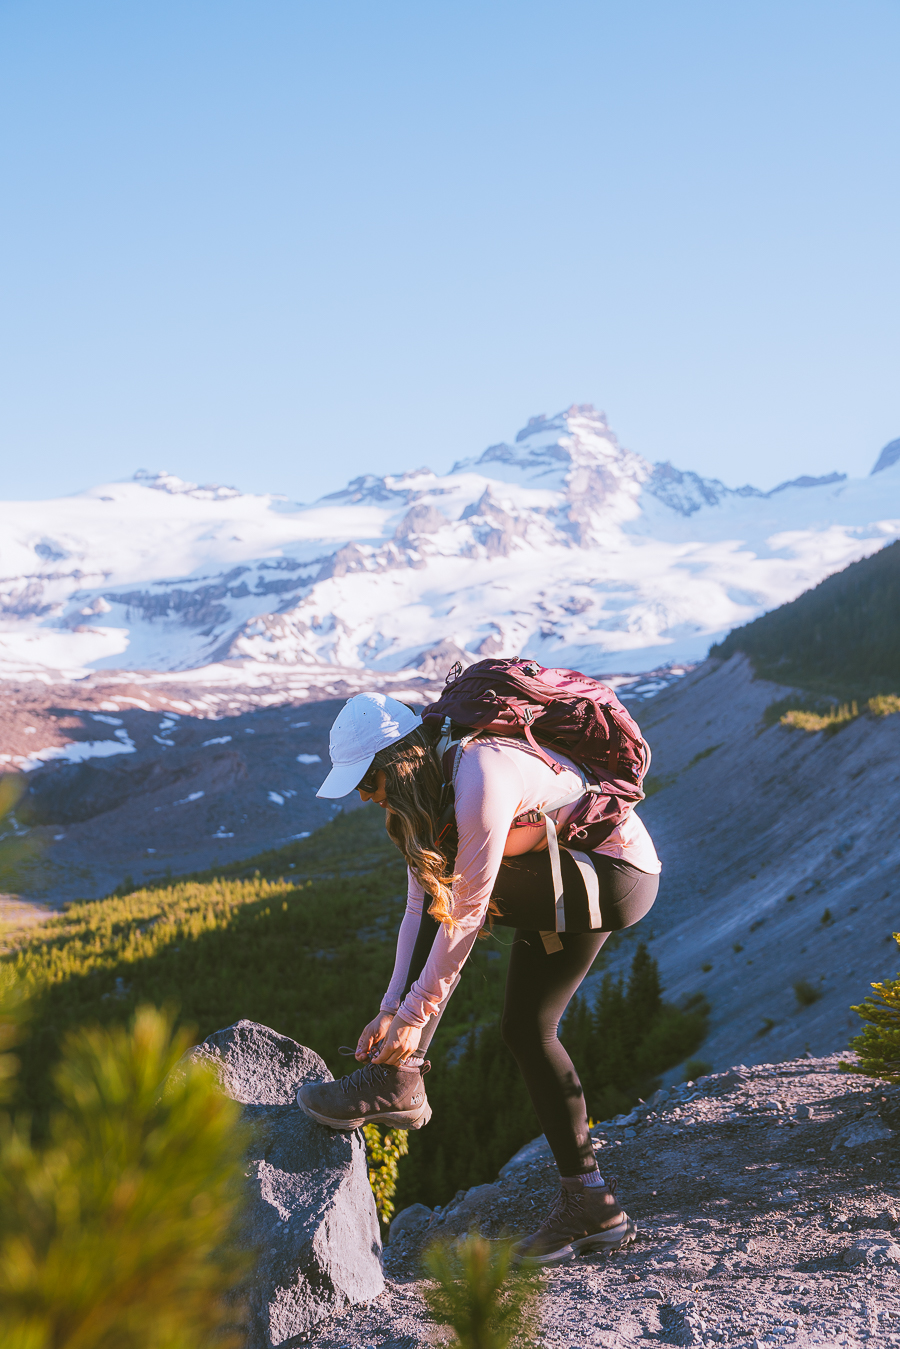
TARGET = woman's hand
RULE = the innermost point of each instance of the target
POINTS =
(373, 1033)
(400, 1040)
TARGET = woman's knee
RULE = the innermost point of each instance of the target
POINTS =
(524, 1034)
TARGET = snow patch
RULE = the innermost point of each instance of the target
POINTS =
(78, 751)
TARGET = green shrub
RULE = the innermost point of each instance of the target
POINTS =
(118, 1232)
(806, 993)
(477, 1291)
(825, 714)
(878, 1047)
(884, 705)
(832, 721)
(383, 1153)
(695, 1068)
(775, 712)
(704, 754)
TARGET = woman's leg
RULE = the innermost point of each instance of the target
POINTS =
(539, 988)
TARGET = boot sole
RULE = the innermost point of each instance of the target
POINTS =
(610, 1239)
(399, 1119)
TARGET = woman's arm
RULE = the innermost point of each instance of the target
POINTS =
(406, 940)
(488, 797)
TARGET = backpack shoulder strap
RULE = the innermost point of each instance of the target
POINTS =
(466, 740)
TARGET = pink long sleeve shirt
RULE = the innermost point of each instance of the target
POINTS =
(498, 780)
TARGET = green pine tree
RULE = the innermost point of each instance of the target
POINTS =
(878, 1047)
(118, 1233)
(479, 1293)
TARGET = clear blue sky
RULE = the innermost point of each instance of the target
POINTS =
(278, 243)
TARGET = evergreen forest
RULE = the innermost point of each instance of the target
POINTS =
(842, 638)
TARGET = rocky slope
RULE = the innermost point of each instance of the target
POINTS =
(561, 544)
(781, 864)
(768, 1208)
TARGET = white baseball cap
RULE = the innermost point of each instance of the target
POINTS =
(367, 723)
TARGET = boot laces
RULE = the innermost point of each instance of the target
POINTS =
(566, 1206)
(366, 1076)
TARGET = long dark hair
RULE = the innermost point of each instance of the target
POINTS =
(413, 782)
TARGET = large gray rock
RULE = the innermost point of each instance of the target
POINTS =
(538, 1150)
(469, 1212)
(411, 1219)
(311, 1214)
(872, 1252)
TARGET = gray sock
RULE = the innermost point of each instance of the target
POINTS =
(592, 1180)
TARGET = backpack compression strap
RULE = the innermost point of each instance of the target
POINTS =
(582, 861)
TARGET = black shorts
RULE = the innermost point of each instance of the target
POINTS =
(523, 893)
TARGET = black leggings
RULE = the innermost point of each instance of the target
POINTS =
(539, 987)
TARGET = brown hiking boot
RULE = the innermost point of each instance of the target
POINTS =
(583, 1218)
(378, 1093)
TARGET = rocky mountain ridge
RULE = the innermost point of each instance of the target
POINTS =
(561, 544)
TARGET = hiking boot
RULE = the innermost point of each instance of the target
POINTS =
(584, 1218)
(379, 1093)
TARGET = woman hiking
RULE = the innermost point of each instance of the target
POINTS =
(504, 873)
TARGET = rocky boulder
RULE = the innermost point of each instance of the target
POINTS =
(311, 1214)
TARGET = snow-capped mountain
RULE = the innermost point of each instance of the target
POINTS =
(561, 544)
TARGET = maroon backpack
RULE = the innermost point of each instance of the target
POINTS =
(564, 710)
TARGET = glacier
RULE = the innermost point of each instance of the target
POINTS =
(561, 544)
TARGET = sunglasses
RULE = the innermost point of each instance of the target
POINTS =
(369, 783)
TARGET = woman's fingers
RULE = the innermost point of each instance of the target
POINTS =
(400, 1041)
(372, 1034)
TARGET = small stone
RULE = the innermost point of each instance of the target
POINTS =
(862, 1132)
(730, 1079)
